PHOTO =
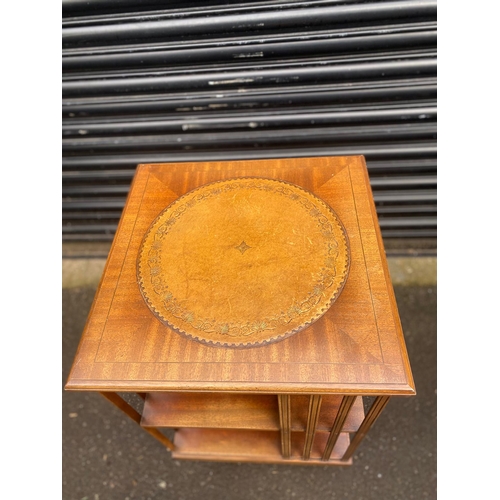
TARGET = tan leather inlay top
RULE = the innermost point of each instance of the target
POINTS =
(243, 262)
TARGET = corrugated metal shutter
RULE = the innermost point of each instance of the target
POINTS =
(147, 81)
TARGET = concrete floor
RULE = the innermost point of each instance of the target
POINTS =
(107, 456)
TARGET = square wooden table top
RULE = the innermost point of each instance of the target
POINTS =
(356, 347)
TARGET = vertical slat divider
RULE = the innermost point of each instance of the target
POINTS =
(120, 403)
(373, 413)
(312, 422)
(344, 409)
(285, 424)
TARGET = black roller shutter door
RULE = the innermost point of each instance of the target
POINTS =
(186, 81)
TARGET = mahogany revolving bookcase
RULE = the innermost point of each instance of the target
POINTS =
(249, 304)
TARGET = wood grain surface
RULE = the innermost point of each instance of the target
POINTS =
(242, 411)
(357, 347)
(253, 446)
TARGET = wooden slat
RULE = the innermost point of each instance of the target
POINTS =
(284, 412)
(329, 408)
(318, 445)
(233, 411)
(252, 446)
(373, 413)
(345, 407)
(312, 422)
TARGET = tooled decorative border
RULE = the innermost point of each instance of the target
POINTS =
(325, 281)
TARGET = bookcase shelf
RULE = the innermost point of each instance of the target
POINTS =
(241, 411)
(211, 410)
(253, 446)
(249, 427)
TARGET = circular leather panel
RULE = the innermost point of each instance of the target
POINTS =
(243, 262)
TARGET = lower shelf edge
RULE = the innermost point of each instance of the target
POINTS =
(252, 446)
